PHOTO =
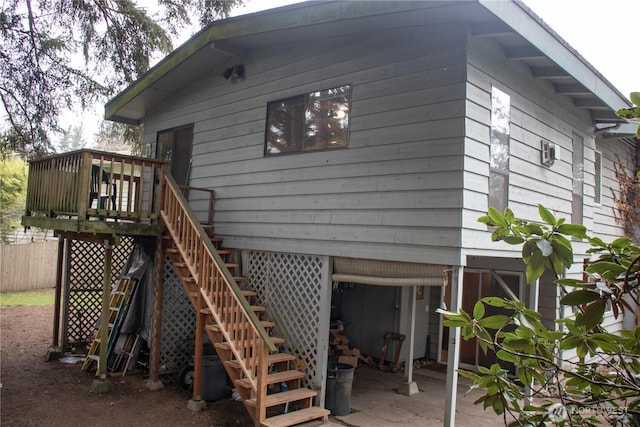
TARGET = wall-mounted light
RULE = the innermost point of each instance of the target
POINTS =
(237, 72)
(547, 152)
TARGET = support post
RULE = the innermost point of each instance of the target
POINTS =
(196, 403)
(534, 300)
(453, 355)
(66, 285)
(261, 395)
(409, 387)
(102, 385)
(154, 383)
(56, 348)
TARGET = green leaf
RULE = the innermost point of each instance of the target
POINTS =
(497, 302)
(592, 315)
(620, 243)
(494, 322)
(509, 216)
(535, 266)
(513, 240)
(604, 267)
(533, 228)
(573, 283)
(596, 241)
(496, 217)
(450, 323)
(506, 356)
(518, 344)
(575, 230)
(478, 310)
(579, 297)
(635, 98)
(570, 341)
(485, 220)
(546, 215)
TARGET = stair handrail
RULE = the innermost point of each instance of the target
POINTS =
(205, 264)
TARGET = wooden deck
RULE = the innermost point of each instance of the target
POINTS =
(89, 191)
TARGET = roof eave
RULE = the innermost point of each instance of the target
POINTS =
(287, 17)
(526, 23)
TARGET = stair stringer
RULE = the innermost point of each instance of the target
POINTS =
(244, 349)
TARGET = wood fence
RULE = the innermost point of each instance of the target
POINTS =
(28, 267)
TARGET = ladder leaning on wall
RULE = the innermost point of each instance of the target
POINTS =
(118, 305)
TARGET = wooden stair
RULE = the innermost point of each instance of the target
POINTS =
(273, 395)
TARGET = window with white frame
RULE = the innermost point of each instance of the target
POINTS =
(598, 178)
(578, 179)
(499, 149)
(310, 122)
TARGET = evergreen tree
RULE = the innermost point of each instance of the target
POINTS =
(40, 75)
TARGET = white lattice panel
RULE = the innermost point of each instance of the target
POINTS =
(293, 288)
(178, 323)
(84, 272)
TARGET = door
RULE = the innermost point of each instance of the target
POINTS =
(477, 285)
(174, 145)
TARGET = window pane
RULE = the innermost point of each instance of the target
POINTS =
(165, 146)
(315, 121)
(578, 179)
(284, 126)
(499, 149)
(327, 119)
(598, 173)
(500, 124)
(578, 164)
(498, 190)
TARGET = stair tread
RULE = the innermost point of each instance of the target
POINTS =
(216, 328)
(275, 378)
(226, 346)
(284, 397)
(273, 358)
(254, 308)
(296, 417)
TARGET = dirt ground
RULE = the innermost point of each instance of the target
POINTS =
(34, 392)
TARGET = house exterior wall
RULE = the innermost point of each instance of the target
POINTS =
(394, 193)
(536, 113)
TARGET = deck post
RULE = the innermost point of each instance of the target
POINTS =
(453, 355)
(409, 387)
(56, 347)
(102, 385)
(534, 301)
(64, 339)
(83, 191)
(261, 392)
(196, 403)
(154, 382)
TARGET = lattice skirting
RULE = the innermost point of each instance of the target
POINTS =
(84, 273)
(296, 290)
(178, 324)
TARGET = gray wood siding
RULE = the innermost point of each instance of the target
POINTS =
(536, 113)
(394, 193)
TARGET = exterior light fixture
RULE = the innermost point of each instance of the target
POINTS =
(237, 72)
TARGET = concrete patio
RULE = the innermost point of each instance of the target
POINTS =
(375, 402)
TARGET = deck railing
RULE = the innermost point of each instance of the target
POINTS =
(248, 340)
(88, 183)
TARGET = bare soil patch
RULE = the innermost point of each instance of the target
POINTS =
(34, 392)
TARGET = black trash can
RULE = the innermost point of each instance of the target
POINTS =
(338, 394)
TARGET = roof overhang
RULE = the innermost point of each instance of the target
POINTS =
(523, 36)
